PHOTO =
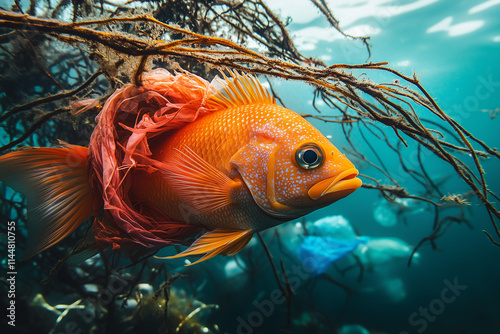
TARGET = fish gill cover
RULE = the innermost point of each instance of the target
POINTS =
(61, 61)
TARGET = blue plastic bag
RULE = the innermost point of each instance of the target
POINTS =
(318, 253)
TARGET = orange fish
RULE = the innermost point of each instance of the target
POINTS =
(178, 160)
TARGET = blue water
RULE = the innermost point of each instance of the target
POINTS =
(458, 64)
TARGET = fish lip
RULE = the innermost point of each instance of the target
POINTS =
(336, 187)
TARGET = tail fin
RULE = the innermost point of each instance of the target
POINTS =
(55, 183)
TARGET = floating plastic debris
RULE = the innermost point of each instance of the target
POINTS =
(332, 226)
(389, 213)
(318, 253)
(395, 289)
(233, 268)
(379, 251)
(353, 329)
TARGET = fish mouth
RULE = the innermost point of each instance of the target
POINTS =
(336, 187)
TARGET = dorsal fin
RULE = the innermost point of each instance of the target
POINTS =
(240, 89)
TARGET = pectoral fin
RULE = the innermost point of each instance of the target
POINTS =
(218, 241)
(200, 185)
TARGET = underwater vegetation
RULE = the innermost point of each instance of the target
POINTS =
(60, 61)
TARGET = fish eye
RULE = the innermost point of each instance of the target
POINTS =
(309, 156)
